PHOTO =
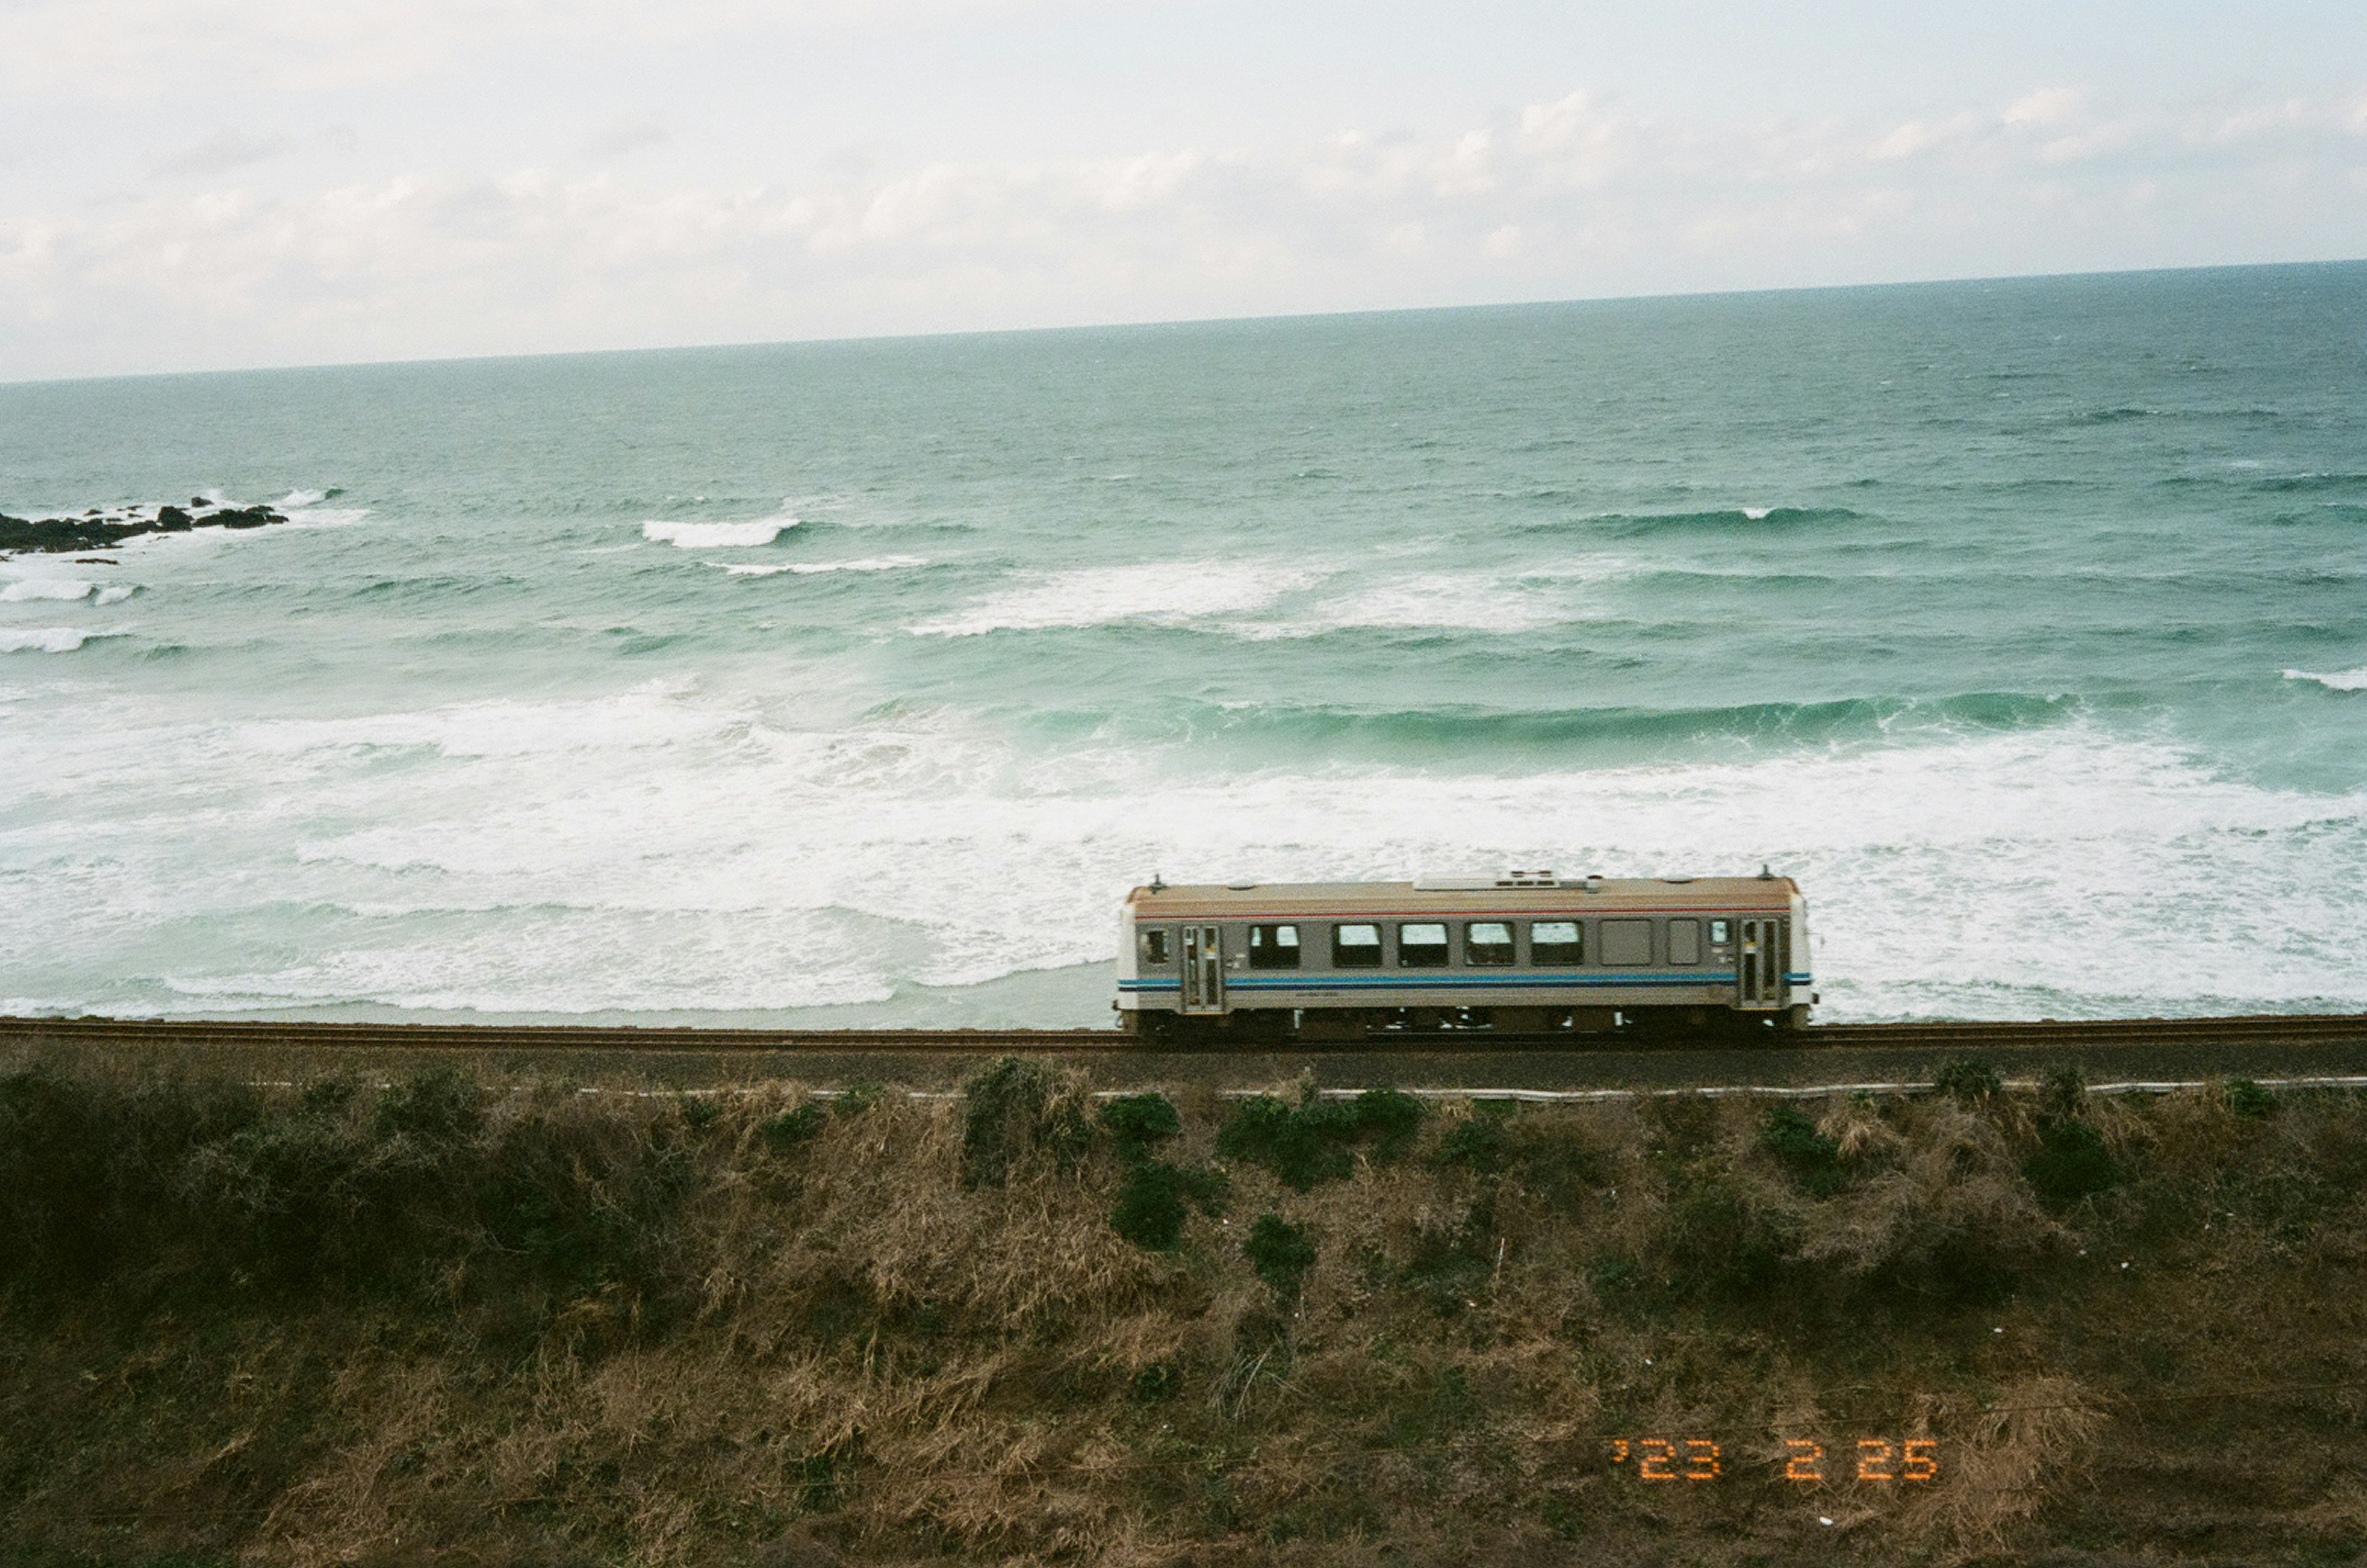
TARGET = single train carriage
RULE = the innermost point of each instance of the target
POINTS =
(1525, 953)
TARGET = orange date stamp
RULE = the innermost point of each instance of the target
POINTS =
(1872, 1461)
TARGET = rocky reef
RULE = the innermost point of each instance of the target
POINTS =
(98, 530)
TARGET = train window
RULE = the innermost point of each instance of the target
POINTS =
(1355, 947)
(1488, 941)
(1718, 933)
(1154, 946)
(1274, 947)
(1684, 941)
(1627, 942)
(1556, 941)
(1421, 946)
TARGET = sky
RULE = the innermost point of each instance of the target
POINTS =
(191, 185)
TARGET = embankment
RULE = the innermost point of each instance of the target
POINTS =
(456, 1321)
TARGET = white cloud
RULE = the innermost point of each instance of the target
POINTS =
(1565, 198)
(2048, 106)
(222, 152)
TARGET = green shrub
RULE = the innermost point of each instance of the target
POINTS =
(2071, 1163)
(1719, 1239)
(1151, 1203)
(1478, 1142)
(2062, 1091)
(1315, 1140)
(1281, 1254)
(1969, 1081)
(1814, 1159)
(1013, 1110)
(1614, 1274)
(2249, 1099)
(439, 1106)
(794, 1127)
(1453, 1265)
(1136, 1121)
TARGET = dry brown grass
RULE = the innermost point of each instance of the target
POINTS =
(550, 1327)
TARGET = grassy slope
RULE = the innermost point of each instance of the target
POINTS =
(441, 1323)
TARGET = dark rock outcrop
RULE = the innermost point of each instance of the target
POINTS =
(98, 530)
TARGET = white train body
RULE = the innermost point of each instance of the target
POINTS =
(1527, 952)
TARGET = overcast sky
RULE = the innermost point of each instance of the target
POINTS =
(198, 183)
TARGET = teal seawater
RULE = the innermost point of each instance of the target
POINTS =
(2024, 622)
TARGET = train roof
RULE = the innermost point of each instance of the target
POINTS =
(1517, 893)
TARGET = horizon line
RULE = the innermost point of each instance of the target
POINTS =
(725, 345)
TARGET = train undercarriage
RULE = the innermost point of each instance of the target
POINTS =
(1253, 1025)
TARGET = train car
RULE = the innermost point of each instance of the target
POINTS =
(1525, 953)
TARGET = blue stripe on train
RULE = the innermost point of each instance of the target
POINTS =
(1451, 982)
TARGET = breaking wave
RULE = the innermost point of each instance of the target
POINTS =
(822, 568)
(717, 535)
(46, 639)
(2341, 681)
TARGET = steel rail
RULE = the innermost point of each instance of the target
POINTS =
(497, 1038)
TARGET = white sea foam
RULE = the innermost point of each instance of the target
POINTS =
(1437, 602)
(2341, 681)
(1757, 514)
(670, 848)
(1164, 593)
(717, 535)
(647, 716)
(115, 593)
(823, 568)
(297, 499)
(45, 639)
(60, 588)
(325, 517)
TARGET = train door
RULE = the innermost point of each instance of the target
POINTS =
(1204, 970)
(1761, 963)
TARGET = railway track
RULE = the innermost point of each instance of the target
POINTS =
(2261, 1029)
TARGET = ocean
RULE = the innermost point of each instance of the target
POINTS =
(853, 684)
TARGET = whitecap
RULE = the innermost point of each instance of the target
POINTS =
(1757, 514)
(61, 588)
(818, 568)
(2341, 681)
(43, 640)
(716, 536)
(325, 517)
(296, 499)
(115, 594)
(1160, 593)
(1441, 602)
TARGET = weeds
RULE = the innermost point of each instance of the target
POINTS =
(1150, 1201)
(2247, 1099)
(791, 1128)
(1814, 1159)
(2062, 1091)
(451, 1321)
(2071, 1163)
(1014, 1111)
(1280, 1255)
(1315, 1141)
(1969, 1081)
(1149, 1211)
(1136, 1122)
